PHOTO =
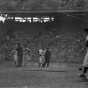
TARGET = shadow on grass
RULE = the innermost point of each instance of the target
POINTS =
(83, 80)
(46, 70)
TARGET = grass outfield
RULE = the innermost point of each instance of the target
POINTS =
(30, 76)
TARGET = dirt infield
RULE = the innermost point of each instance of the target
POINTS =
(30, 76)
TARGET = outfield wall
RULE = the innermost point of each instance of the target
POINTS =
(65, 37)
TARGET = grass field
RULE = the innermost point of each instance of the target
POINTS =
(30, 76)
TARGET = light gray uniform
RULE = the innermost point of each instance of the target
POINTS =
(42, 57)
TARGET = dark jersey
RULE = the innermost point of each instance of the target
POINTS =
(47, 55)
(87, 43)
(19, 51)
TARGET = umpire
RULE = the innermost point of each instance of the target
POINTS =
(19, 50)
(47, 57)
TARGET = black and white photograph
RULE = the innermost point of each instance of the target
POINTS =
(43, 43)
